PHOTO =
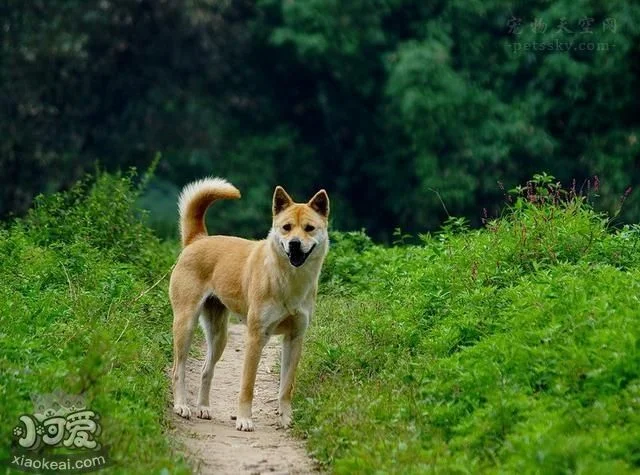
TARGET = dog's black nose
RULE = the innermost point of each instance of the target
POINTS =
(294, 244)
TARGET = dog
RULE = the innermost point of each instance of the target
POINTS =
(270, 285)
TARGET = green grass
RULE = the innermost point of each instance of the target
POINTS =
(79, 312)
(515, 348)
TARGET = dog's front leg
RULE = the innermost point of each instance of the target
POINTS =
(256, 340)
(291, 351)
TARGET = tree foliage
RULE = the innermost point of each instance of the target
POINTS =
(393, 106)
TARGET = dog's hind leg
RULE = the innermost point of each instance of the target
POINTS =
(184, 319)
(213, 319)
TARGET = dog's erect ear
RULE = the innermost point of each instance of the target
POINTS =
(281, 200)
(320, 203)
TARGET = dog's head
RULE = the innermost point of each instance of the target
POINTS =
(300, 229)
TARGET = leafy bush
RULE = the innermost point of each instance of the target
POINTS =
(84, 309)
(100, 212)
(345, 263)
(508, 349)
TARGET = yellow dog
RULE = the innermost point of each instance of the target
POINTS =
(270, 285)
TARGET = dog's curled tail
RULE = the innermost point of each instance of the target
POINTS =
(194, 201)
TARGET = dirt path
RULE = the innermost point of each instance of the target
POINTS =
(215, 445)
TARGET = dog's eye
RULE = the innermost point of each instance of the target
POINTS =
(308, 228)
(287, 227)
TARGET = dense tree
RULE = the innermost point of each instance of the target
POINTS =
(453, 98)
(395, 106)
(109, 80)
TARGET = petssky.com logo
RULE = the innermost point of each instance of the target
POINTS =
(59, 437)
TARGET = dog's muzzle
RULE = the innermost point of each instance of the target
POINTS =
(296, 255)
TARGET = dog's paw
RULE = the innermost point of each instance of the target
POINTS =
(203, 412)
(285, 421)
(285, 415)
(244, 424)
(182, 410)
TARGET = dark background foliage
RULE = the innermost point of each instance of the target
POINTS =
(383, 103)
